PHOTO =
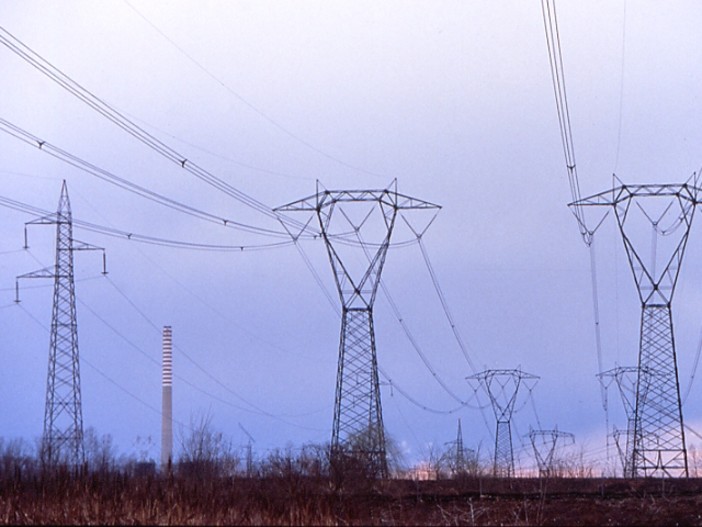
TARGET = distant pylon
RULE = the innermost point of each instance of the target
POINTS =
(456, 456)
(544, 443)
(167, 398)
(460, 454)
(358, 429)
(668, 209)
(626, 379)
(502, 387)
(62, 441)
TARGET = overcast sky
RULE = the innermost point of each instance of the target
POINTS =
(452, 98)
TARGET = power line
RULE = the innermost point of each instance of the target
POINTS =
(98, 370)
(229, 320)
(412, 340)
(387, 377)
(217, 154)
(73, 160)
(256, 408)
(103, 108)
(258, 111)
(621, 92)
(421, 405)
(408, 332)
(317, 278)
(157, 363)
(142, 238)
(553, 43)
(444, 305)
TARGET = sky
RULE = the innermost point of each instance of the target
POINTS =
(452, 98)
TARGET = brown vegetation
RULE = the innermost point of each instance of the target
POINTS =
(285, 492)
(209, 485)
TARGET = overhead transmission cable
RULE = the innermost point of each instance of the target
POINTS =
(186, 355)
(621, 92)
(229, 320)
(445, 306)
(153, 325)
(99, 371)
(75, 161)
(207, 373)
(449, 317)
(180, 378)
(133, 236)
(255, 109)
(106, 110)
(416, 346)
(391, 382)
(316, 277)
(414, 401)
(217, 154)
(553, 43)
(408, 332)
(695, 365)
(254, 408)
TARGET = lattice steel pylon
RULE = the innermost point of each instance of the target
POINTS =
(358, 430)
(460, 454)
(544, 443)
(659, 435)
(626, 378)
(502, 387)
(62, 441)
(459, 459)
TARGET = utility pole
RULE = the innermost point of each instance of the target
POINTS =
(667, 209)
(345, 216)
(62, 441)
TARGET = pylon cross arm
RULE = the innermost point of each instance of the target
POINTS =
(327, 198)
(41, 273)
(617, 195)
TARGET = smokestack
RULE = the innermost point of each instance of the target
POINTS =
(167, 398)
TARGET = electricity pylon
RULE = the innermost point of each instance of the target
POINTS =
(345, 216)
(626, 379)
(460, 454)
(544, 443)
(659, 436)
(458, 458)
(502, 387)
(62, 441)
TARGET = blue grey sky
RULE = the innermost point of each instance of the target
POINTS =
(452, 98)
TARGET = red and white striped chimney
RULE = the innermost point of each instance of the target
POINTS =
(167, 398)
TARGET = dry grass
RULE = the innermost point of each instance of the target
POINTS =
(286, 493)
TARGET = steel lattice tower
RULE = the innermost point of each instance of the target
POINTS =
(460, 453)
(626, 378)
(502, 387)
(62, 441)
(357, 429)
(544, 443)
(459, 459)
(659, 435)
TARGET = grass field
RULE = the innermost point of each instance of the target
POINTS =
(120, 497)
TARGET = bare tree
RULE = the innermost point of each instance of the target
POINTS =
(204, 451)
(100, 452)
(16, 457)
